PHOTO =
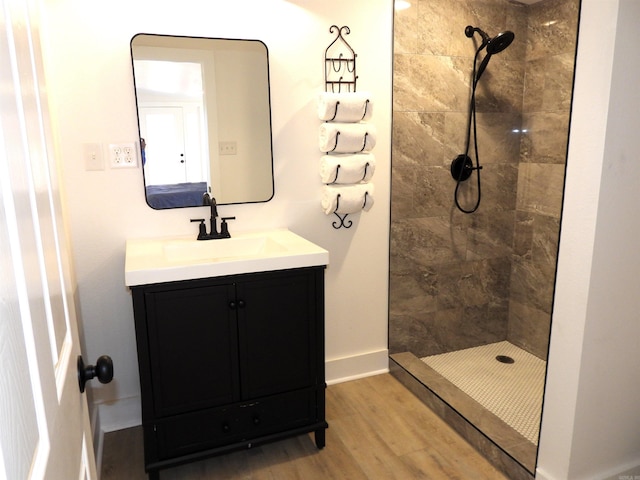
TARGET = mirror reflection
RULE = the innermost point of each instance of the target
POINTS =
(204, 119)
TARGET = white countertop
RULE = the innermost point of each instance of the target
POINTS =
(167, 259)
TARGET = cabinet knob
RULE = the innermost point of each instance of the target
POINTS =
(256, 420)
(239, 304)
(226, 428)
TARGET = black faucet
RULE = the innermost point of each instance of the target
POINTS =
(209, 201)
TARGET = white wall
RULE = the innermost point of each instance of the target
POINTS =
(591, 426)
(87, 61)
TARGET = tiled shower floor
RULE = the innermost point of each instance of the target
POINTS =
(511, 391)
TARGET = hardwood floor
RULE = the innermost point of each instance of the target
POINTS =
(377, 430)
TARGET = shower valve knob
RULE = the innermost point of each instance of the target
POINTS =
(461, 168)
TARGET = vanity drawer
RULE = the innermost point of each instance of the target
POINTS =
(235, 424)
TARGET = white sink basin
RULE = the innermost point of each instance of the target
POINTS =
(215, 250)
(156, 260)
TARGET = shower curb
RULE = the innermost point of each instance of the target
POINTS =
(400, 366)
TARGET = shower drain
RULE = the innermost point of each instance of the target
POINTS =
(505, 359)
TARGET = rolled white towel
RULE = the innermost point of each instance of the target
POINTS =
(346, 137)
(347, 168)
(347, 198)
(346, 107)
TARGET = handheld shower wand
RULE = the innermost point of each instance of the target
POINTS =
(462, 166)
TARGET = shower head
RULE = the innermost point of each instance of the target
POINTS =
(500, 42)
(493, 45)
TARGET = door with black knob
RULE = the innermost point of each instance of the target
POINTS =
(45, 431)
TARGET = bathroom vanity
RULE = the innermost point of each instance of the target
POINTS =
(230, 345)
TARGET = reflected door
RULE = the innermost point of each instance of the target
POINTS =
(165, 153)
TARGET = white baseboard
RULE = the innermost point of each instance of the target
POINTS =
(628, 472)
(111, 416)
(623, 472)
(339, 370)
(542, 475)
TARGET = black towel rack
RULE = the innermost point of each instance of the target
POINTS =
(335, 180)
(343, 219)
(340, 63)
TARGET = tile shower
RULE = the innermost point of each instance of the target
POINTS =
(459, 281)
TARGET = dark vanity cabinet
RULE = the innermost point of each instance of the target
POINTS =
(229, 362)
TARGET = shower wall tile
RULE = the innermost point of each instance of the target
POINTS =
(546, 236)
(553, 27)
(500, 89)
(523, 234)
(546, 137)
(405, 37)
(497, 141)
(455, 124)
(473, 283)
(423, 242)
(499, 187)
(414, 293)
(410, 334)
(460, 328)
(517, 22)
(418, 137)
(433, 192)
(490, 235)
(499, 184)
(532, 284)
(402, 184)
(529, 328)
(540, 188)
(534, 263)
(548, 84)
(536, 237)
(441, 30)
(441, 25)
(429, 83)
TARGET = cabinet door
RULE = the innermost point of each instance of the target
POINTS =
(192, 348)
(278, 316)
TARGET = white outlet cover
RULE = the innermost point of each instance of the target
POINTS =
(123, 155)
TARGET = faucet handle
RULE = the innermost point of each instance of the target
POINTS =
(202, 228)
(224, 227)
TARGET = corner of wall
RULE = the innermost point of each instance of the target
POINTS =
(112, 416)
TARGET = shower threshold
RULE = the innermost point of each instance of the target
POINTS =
(502, 445)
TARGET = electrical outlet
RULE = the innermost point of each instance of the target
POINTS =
(228, 148)
(123, 155)
(93, 158)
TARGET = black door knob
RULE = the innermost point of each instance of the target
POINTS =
(103, 369)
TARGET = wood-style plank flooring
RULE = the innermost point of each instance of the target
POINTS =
(377, 430)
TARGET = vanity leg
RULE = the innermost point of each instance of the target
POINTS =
(154, 474)
(320, 438)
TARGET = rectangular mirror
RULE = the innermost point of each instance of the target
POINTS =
(204, 117)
